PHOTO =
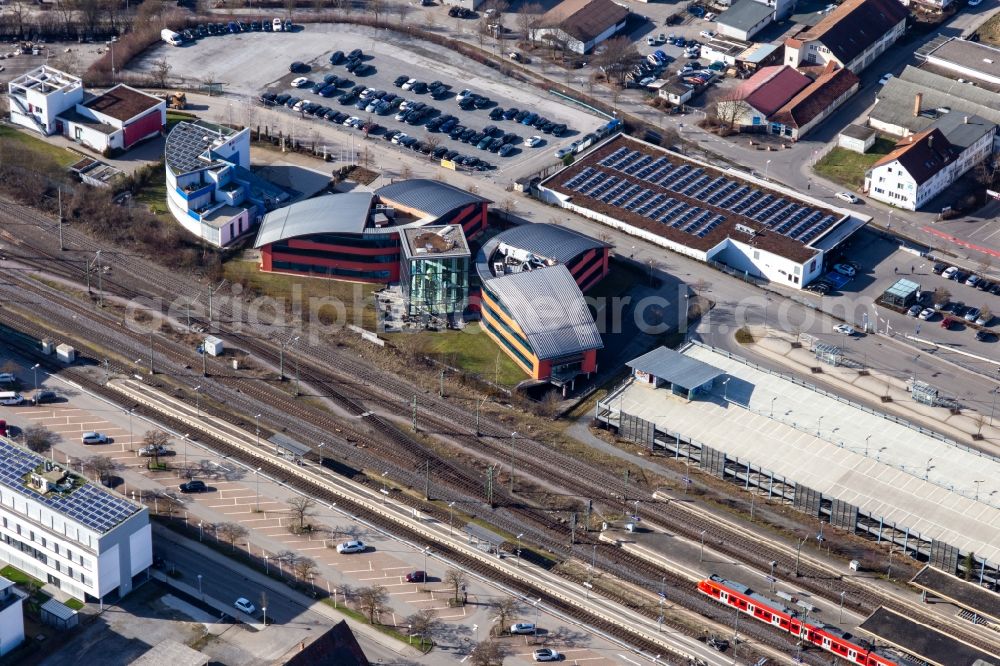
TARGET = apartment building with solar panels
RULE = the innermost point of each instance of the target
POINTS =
(751, 225)
(67, 531)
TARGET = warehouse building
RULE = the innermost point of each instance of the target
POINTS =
(851, 36)
(580, 25)
(356, 235)
(63, 529)
(857, 469)
(729, 218)
(531, 302)
(966, 59)
(52, 102)
(210, 188)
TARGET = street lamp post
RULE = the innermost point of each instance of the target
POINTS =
(451, 519)
(256, 419)
(197, 396)
(867, 440)
(819, 425)
(519, 548)
(992, 409)
(256, 474)
(767, 165)
(512, 436)
(199, 588)
(772, 405)
(774, 563)
(798, 552)
(200, 531)
(34, 369)
(842, 605)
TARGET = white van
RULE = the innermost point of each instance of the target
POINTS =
(10, 398)
(276, 25)
(171, 37)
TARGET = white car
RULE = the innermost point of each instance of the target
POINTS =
(707, 34)
(885, 79)
(353, 546)
(845, 329)
(845, 269)
(533, 141)
(7, 378)
(949, 273)
(243, 603)
(847, 196)
(409, 84)
(462, 95)
(298, 105)
(546, 654)
(522, 628)
(711, 16)
(926, 314)
(94, 438)
(399, 137)
(11, 399)
(563, 152)
(300, 82)
(276, 25)
(651, 41)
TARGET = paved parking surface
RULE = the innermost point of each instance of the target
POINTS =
(239, 496)
(251, 63)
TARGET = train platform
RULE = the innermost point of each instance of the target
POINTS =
(967, 595)
(924, 642)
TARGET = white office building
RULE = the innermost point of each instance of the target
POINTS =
(65, 530)
(39, 96)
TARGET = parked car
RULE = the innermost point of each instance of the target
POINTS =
(193, 486)
(546, 654)
(7, 378)
(949, 273)
(707, 34)
(276, 25)
(947, 323)
(926, 314)
(973, 280)
(153, 450)
(972, 314)
(94, 438)
(522, 628)
(986, 336)
(353, 546)
(847, 196)
(914, 311)
(297, 67)
(845, 329)
(845, 269)
(984, 285)
(533, 141)
(885, 79)
(300, 82)
(984, 318)
(416, 577)
(245, 605)
(939, 268)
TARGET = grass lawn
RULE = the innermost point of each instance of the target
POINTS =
(470, 349)
(989, 31)
(63, 157)
(17, 576)
(154, 194)
(848, 167)
(174, 116)
(75, 604)
(336, 301)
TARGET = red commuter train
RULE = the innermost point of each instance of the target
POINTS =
(762, 609)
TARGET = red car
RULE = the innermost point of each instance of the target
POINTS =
(416, 577)
(947, 322)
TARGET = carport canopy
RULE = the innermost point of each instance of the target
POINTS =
(675, 368)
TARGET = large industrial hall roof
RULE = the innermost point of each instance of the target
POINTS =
(547, 241)
(548, 306)
(912, 478)
(692, 203)
(346, 212)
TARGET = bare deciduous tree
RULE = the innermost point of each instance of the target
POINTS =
(99, 467)
(155, 440)
(232, 532)
(301, 508)
(486, 653)
(161, 71)
(527, 19)
(373, 601)
(304, 568)
(505, 608)
(618, 56)
(457, 579)
(40, 439)
(424, 624)
(731, 109)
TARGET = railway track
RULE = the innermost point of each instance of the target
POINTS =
(357, 386)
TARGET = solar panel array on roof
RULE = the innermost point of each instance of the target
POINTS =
(89, 505)
(777, 213)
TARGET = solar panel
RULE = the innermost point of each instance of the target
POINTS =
(759, 205)
(638, 165)
(674, 174)
(730, 201)
(698, 222)
(770, 209)
(697, 185)
(810, 220)
(627, 160)
(613, 157)
(707, 190)
(593, 182)
(716, 221)
(93, 507)
(578, 179)
(806, 234)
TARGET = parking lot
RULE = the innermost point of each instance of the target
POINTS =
(250, 64)
(236, 495)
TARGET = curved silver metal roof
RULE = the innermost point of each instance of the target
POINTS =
(549, 307)
(431, 197)
(544, 240)
(329, 214)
